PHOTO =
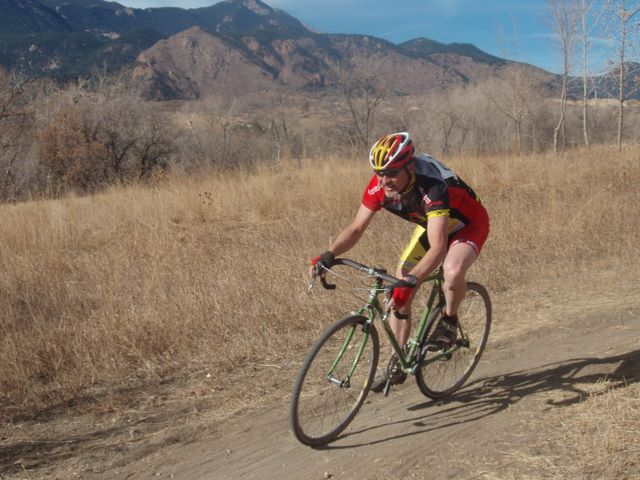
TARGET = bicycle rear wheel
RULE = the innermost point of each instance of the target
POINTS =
(334, 380)
(444, 376)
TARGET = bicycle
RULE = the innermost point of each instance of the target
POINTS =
(336, 375)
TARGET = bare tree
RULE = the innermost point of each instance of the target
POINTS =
(623, 32)
(588, 23)
(15, 119)
(564, 16)
(153, 147)
(510, 94)
(362, 95)
(101, 133)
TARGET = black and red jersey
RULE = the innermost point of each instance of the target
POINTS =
(434, 191)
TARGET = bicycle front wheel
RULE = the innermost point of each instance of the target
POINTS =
(334, 380)
(443, 376)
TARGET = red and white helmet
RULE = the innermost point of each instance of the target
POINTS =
(391, 151)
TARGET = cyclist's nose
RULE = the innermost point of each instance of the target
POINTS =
(386, 181)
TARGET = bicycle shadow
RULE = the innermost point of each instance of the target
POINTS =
(570, 381)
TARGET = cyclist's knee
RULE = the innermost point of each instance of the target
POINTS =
(453, 273)
(455, 270)
(458, 261)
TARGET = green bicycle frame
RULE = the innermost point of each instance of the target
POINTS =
(374, 309)
(405, 358)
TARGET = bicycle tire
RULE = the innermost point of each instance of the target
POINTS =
(442, 378)
(321, 409)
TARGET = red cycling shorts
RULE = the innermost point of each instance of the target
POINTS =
(473, 234)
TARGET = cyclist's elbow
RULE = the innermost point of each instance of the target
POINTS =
(356, 231)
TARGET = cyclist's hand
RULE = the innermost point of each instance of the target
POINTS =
(403, 292)
(400, 297)
(320, 263)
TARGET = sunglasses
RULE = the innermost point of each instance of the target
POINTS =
(392, 173)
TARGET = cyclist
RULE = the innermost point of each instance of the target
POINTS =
(452, 226)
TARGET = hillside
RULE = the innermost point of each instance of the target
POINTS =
(310, 62)
(133, 348)
(60, 38)
(230, 48)
(238, 39)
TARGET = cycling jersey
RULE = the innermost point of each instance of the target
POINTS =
(434, 191)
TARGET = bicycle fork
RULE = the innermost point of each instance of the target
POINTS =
(346, 382)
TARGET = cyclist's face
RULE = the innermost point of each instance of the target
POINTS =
(393, 184)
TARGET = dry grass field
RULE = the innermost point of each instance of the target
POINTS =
(107, 296)
(596, 438)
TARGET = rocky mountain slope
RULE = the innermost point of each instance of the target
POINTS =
(230, 48)
(281, 53)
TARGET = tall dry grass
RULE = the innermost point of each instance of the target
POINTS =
(126, 288)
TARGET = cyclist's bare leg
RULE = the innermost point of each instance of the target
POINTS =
(455, 266)
(401, 327)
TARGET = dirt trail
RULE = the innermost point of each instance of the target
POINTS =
(564, 342)
(405, 435)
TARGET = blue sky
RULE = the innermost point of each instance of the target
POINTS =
(514, 29)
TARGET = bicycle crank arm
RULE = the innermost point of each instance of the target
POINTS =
(387, 387)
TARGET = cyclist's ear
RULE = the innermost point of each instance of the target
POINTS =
(410, 167)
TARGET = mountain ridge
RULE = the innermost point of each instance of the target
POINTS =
(266, 47)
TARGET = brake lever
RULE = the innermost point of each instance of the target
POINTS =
(327, 286)
(323, 281)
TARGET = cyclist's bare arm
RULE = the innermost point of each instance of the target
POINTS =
(351, 234)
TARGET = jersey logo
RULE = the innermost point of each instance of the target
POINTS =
(374, 190)
(431, 203)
